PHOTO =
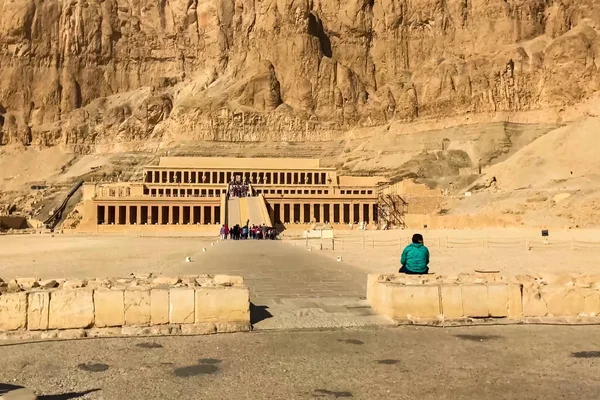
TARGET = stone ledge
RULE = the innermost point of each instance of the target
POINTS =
(207, 328)
(197, 299)
(427, 297)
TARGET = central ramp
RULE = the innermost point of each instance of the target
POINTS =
(257, 211)
(253, 209)
(233, 212)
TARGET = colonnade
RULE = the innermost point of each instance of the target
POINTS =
(223, 177)
(328, 212)
(158, 214)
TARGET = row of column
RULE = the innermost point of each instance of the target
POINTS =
(324, 212)
(158, 215)
(223, 177)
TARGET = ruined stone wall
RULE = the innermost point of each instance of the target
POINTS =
(403, 297)
(129, 306)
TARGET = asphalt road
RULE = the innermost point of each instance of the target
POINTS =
(492, 362)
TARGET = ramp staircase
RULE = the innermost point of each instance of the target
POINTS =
(251, 209)
(391, 208)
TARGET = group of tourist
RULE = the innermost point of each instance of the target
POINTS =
(248, 232)
(239, 189)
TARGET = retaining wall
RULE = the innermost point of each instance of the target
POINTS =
(146, 305)
(427, 297)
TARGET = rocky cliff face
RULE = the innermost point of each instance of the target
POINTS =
(108, 75)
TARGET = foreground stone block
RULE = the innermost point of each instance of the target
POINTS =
(38, 311)
(533, 303)
(563, 303)
(110, 307)
(181, 306)
(497, 300)
(71, 309)
(475, 300)
(206, 328)
(137, 307)
(219, 304)
(415, 302)
(515, 301)
(452, 306)
(159, 306)
(233, 326)
(13, 311)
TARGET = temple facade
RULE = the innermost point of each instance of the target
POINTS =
(191, 193)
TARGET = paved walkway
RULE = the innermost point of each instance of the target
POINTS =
(292, 287)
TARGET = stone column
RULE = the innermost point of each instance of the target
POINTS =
(138, 211)
(331, 213)
(292, 216)
(149, 215)
(170, 215)
(312, 213)
(127, 215)
(180, 215)
(202, 215)
(342, 213)
(301, 213)
(361, 212)
(212, 215)
(106, 215)
(160, 215)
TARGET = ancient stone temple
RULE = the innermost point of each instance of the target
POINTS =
(190, 193)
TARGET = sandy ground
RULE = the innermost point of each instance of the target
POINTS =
(64, 256)
(502, 250)
(493, 362)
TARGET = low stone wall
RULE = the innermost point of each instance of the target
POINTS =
(429, 297)
(139, 305)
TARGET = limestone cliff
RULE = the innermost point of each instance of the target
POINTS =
(111, 75)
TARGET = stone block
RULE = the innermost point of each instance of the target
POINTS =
(205, 328)
(72, 334)
(452, 306)
(159, 306)
(228, 280)
(222, 304)
(591, 304)
(28, 283)
(515, 301)
(565, 302)
(71, 309)
(497, 300)
(233, 326)
(415, 302)
(475, 300)
(166, 281)
(13, 311)
(181, 305)
(137, 307)
(38, 311)
(533, 303)
(74, 284)
(110, 307)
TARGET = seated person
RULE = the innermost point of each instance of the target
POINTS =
(415, 257)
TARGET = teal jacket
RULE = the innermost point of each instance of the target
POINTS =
(415, 257)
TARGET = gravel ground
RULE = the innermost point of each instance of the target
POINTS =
(490, 362)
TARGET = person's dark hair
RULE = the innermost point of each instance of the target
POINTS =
(417, 238)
